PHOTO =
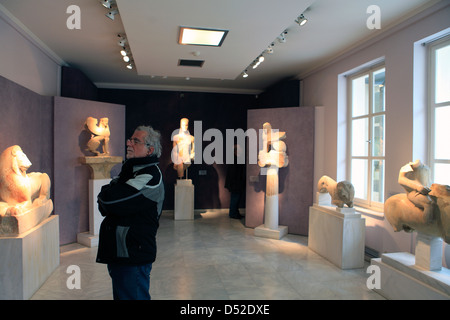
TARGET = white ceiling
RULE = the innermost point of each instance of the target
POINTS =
(152, 28)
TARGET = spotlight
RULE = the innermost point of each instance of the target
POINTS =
(261, 59)
(126, 58)
(244, 74)
(130, 66)
(269, 49)
(282, 37)
(122, 41)
(108, 3)
(301, 20)
(124, 51)
(111, 14)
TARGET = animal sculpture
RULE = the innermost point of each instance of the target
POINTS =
(20, 191)
(403, 215)
(341, 193)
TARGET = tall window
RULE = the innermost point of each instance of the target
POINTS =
(439, 107)
(367, 118)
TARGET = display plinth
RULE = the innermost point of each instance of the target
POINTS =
(337, 234)
(402, 279)
(15, 225)
(419, 276)
(101, 166)
(100, 175)
(90, 239)
(184, 200)
(264, 232)
(28, 259)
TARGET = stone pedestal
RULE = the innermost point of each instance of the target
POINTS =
(415, 277)
(100, 166)
(15, 225)
(337, 234)
(401, 279)
(184, 200)
(428, 252)
(28, 259)
(100, 175)
(272, 233)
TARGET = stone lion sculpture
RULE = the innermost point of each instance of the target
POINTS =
(341, 193)
(19, 191)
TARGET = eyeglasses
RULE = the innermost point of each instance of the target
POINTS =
(134, 141)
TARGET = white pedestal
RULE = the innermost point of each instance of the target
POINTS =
(90, 239)
(264, 232)
(428, 252)
(337, 234)
(184, 200)
(28, 259)
(401, 279)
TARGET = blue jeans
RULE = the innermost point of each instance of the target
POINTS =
(130, 282)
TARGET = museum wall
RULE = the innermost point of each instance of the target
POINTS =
(71, 178)
(163, 111)
(24, 62)
(27, 120)
(295, 180)
(326, 87)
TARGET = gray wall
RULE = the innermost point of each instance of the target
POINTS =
(50, 131)
(295, 180)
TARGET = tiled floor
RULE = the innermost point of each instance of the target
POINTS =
(214, 257)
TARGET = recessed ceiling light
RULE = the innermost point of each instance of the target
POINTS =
(202, 36)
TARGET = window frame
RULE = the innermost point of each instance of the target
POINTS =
(368, 203)
(432, 105)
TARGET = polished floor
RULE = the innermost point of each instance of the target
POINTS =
(214, 257)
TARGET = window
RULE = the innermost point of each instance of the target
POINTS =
(367, 118)
(439, 110)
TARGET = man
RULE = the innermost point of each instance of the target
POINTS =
(132, 205)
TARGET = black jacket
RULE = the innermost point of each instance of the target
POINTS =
(131, 205)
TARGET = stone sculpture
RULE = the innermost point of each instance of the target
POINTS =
(24, 198)
(423, 209)
(271, 157)
(341, 193)
(183, 148)
(99, 133)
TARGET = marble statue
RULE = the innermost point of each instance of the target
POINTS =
(22, 193)
(99, 133)
(271, 157)
(183, 148)
(423, 208)
(341, 193)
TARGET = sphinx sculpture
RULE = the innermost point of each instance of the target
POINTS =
(24, 198)
(423, 208)
(99, 133)
(341, 193)
(183, 148)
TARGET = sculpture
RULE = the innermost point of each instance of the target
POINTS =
(341, 193)
(423, 209)
(183, 148)
(21, 192)
(99, 134)
(272, 157)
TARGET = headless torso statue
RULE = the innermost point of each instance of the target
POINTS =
(414, 177)
(183, 148)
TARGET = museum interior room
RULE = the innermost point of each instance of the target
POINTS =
(334, 113)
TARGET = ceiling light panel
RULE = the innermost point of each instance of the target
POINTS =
(202, 36)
